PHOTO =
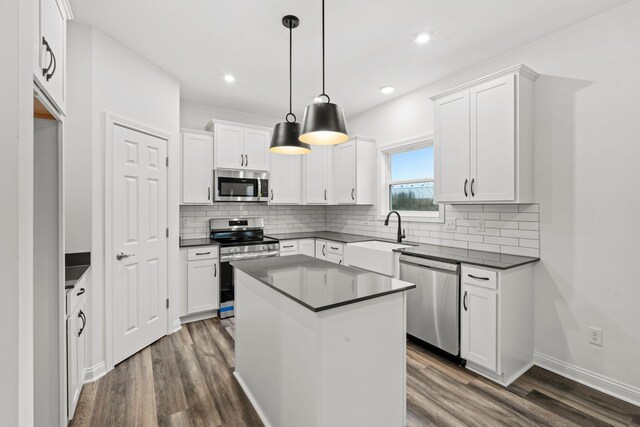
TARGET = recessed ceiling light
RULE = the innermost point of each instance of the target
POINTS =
(422, 38)
(229, 78)
(387, 89)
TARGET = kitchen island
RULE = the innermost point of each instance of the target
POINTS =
(320, 344)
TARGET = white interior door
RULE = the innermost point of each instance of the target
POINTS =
(139, 221)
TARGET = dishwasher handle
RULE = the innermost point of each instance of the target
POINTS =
(446, 267)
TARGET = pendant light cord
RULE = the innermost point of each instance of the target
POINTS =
(290, 66)
(323, 92)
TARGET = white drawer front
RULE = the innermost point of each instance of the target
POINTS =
(480, 277)
(335, 248)
(76, 294)
(203, 252)
(289, 247)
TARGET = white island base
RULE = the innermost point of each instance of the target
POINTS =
(343, 366)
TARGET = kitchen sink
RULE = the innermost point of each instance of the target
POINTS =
(373, 255)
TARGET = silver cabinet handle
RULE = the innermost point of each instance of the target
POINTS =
(215, 270)
(473, 193)
(353, 194)
(340, 261)
(325, 194)
(241, 159)
(208, 193)
(271, 194)
(246, 160)
(203, 253)
(477, 277)
(287, 246)
(323, 252)
(122, 255)
(466, 193)
(464, 301)
(334, 248)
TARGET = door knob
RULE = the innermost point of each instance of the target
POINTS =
(122, 255)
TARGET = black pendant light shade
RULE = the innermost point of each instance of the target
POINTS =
(285, 134)
(323, 122)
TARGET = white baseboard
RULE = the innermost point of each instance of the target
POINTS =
(175, 326)
(255, 405)
(583, 376)
(199, 316)
(95, 372)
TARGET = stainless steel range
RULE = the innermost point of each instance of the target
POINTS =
(239, 239)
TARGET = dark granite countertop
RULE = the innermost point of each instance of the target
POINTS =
(76, 264)
(327, 235)
(466, 256)
(191, 243)
(317, 284)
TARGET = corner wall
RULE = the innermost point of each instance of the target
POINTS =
(586, 163)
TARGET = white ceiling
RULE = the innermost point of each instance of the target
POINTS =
(369, 43)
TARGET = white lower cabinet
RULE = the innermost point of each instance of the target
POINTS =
(321, 249)
(330, 251)
(200, 282)
(288, 247)
(307, 247)
(76, 353)
(496, 321)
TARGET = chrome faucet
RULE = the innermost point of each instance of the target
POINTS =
(401, 234)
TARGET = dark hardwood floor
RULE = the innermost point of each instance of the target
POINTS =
(186, 379)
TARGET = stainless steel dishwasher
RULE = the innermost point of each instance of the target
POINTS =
(433, 309)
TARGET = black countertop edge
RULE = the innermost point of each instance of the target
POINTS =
(73, 274)
(497, 265)
(194, 243)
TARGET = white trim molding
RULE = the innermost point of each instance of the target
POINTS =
(95, 372)
(599, 382)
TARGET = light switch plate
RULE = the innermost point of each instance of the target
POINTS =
(480, 225)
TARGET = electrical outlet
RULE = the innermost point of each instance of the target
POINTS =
(595, 336)
(185, 222)
(480, 225)
(450, 224)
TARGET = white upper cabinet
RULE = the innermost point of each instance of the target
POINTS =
(317, 175)
(484, 139)
(256, 148)
(285, 179)
(50, 61)
(238, 146)
(355, 178)
(197, 168)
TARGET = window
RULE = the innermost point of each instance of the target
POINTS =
(409, 179)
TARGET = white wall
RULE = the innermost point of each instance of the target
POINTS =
(123, 84)
(586, 157)
(196, 116)
(16, 213)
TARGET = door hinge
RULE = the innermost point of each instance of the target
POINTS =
(167, 161)
(167, 233)
(167, 302)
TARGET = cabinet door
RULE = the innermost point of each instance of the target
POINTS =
(493, 140)
(256, 149)
(289, 247)
(335, 258)
(76, 355)
(479, 326)
(452, 148)
(228, 146)
(53, 33)
(344, 160)
(197, 169)
(307, 247)
(316, 175)
(284, 179)
(321, 249)
(202, 285)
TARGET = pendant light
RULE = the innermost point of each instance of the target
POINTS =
(323, 122)
(285, 134)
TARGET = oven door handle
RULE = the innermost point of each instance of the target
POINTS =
(227, 258)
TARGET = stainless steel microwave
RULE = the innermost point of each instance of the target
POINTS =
(235, 185)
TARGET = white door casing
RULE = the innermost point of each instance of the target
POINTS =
(138, 224)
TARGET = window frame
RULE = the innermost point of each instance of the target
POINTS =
(385, 153)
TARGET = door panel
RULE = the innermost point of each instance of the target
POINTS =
(229, 146)
(139, 220)
(256, 149)
(197, 169)
(479, 326)
(316, 175)
(202, 292)
(284, 179)
(452, 147)
(493, 140)
(345, 173)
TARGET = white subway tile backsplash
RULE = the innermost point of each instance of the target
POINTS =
(511, 229)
